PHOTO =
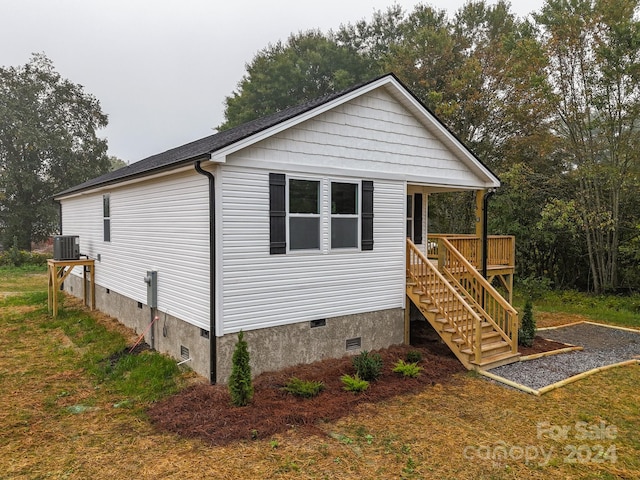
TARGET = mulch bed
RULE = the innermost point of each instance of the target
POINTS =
(205, 411)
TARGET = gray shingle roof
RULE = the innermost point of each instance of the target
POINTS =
(202, 148)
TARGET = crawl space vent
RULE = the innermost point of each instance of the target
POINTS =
(354, 343)
(318, 323)
(184, 352)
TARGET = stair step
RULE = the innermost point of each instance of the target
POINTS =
(485, 326)
(495, 361)
(488, 347)
(487, 338)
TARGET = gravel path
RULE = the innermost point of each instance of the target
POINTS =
(602, 346)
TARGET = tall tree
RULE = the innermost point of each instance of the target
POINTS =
(48, 142)
(307, 66)
(594, 48)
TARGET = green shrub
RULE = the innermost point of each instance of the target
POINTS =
(414, 356)
(535, 287)
(354, 384)
(407, 369)
(21, 258)
(527, 330)
(240, 385)
(303, 388)
(368, 366)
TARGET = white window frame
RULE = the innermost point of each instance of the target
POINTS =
(357, 216)
(304, 215)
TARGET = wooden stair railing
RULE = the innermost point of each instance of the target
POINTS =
(444, 297)
(490, 306)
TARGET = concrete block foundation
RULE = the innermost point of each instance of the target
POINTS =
(270, 348)
(305, 342)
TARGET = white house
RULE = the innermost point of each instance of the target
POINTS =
(291, 228)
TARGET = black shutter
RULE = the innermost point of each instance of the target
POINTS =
(417, 218)
(277, 214)
(366, 240)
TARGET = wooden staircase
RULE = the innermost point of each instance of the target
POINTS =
(471, 317)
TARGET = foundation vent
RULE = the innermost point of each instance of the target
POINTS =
(204, 333)
(318, 323)
(184, 352)
(354, 343)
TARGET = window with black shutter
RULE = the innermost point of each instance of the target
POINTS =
(296, 217)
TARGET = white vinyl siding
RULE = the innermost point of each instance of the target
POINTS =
(373, 133)
(263, 290)
(158, 225)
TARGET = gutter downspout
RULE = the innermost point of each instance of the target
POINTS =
(212, 272)
(485, 235)
(59, 216)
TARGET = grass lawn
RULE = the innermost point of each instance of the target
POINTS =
(617, 310)
(70, 410)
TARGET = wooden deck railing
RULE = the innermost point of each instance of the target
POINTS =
(500, 248)
(488, 302)
(443, 296)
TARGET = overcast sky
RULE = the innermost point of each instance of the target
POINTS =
(161, 69)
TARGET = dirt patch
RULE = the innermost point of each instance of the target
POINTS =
(136, 349)
(553, 319)
(205, 412)
(541, 345)
(17, 309)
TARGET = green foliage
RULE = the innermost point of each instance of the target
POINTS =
(240, 383)
(407, 369)
(354, 383)
(309, 65)
(414, 356)
(303, 388)
(593, 54)
(48, 142)
(535, 287)
(22, 258)
(527, 330)
(368, 365)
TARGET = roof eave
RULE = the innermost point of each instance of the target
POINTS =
(139, 176)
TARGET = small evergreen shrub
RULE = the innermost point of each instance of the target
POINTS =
(414, 356)
(240, 384)
(527, 330)
(303, 388)
(407, 369)
(15, 255)
(354, 384)
(368, 366)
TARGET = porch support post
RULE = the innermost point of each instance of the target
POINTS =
(480, 224)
